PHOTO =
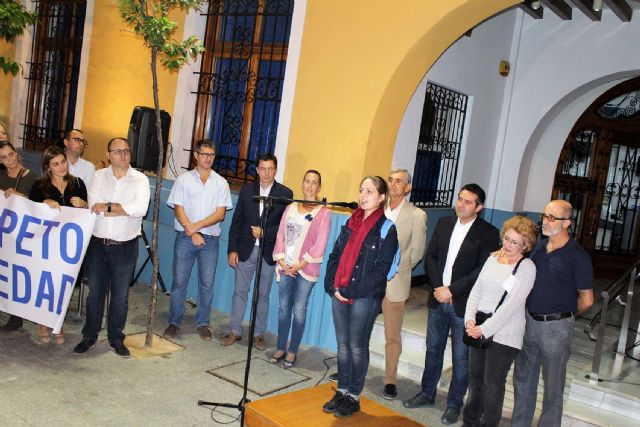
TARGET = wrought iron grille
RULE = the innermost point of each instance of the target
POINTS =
(578, 162)
(240, 81)
(624, 106)
(619, 226)
(53, 71)
(441, 132)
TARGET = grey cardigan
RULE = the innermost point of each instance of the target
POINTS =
(507, 324)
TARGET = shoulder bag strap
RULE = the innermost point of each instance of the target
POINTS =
(18, 179)
(504, 295)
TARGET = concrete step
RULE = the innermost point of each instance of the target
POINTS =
(411, 364)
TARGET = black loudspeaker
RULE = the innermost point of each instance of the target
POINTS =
(142, 137)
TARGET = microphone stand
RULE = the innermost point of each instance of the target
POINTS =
(267, 206)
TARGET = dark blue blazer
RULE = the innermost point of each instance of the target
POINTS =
(482, 239)
(247, 214)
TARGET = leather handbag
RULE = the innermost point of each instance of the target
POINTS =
(481, 317)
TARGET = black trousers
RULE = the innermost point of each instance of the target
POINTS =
(488, 369)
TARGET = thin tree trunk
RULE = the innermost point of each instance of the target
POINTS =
(156, 205)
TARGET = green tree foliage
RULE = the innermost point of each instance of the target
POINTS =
(150, 20)
(14, 19)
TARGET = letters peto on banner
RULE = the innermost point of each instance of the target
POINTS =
(41, 251)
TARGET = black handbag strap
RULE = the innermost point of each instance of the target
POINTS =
(504, 295)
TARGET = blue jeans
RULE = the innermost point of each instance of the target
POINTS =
(294, 295)
(244, 273)
(353, 324)
(184, 255)
(110, 267)
(546, 345)
(441, 320)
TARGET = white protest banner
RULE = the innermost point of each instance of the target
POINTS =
(41, 251)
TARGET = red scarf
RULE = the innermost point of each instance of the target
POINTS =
(360, 228)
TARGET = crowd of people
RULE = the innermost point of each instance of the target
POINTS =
(502, 297)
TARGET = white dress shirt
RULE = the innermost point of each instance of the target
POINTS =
(392, 214)
(264, 192)
(131, 191)
(457, 237)
(200, 200)
(83, 170)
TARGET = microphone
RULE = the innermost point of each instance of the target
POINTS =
(258, 198)
(350, 205)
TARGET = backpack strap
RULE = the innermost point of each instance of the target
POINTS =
(396, 258)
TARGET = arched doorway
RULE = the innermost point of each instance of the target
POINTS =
(598, 171)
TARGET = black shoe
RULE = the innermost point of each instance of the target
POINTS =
(83, 346)
(418, 401)
(332, 405)
(334, 377)
(450, 416)
(390, 391)
(120, 349)
(171, 331)
(13, 324)
(348, 406)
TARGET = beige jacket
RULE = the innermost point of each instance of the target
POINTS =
(412, 234)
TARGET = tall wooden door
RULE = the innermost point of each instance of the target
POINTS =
(599, 173)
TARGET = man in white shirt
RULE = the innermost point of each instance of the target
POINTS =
(119, 196)
(200, 198)
(456, 253)
(74, 145)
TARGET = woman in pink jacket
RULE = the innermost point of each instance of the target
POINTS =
(298, 252)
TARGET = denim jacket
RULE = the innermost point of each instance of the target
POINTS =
(369, 277)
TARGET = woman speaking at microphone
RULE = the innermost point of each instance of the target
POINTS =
(356, 280)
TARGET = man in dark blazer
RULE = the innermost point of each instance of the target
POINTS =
(455, 255)
(244, 235)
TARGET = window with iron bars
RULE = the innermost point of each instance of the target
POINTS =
(439, 143)
(53, 72)
(240, 82)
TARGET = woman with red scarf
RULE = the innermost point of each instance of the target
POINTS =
(356, 280)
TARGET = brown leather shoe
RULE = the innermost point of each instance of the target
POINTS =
(258, 343)
(204, 333)
(170, 332)
(229, 339)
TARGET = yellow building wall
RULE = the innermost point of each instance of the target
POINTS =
(360, 62)
(119, 78)
(7, 50)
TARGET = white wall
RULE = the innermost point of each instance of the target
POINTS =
(469, 66)
(561, 67)
(519, 124)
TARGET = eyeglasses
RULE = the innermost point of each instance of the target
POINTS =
(508, 239)
(80, 140)
(121, 152)
(207, 155)
(552, 218)
(11, 155)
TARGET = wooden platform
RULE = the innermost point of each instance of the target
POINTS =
(304, 408)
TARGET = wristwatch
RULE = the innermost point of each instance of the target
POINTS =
(109, 207)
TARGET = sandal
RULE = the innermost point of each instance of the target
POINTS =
(290, 363)
(59, 338)
(43, 334)
(275, 358)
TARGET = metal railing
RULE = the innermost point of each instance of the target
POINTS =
(609, 296)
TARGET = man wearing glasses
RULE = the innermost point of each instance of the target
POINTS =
(455, 255)
(563, 288)
(200, 198)
(74, 145)
(119, 195)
